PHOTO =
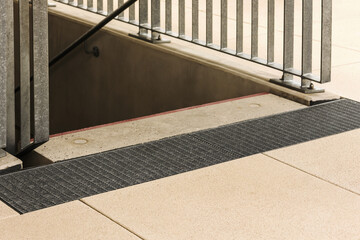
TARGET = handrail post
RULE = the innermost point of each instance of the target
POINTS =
(41, 71)
(25, 119)
(195, 20)
(239, 26)
(209, 22)
(288, 49)
(7, 78)
(6, 14)
(307, 29)
(155, 19)
(326, 39)
(254, 29)
(154, 25)
(17, 138)
(306, 85)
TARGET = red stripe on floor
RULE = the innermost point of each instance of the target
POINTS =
(157, 114)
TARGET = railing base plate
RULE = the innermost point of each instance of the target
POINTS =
(149, 39)
(296, 86)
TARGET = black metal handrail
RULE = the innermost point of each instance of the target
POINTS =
(87, 35)
(91, 32)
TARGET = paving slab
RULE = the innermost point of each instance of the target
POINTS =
(6, 211)
(334, 158)
(73, 220)
(250, 198)
(160, 126)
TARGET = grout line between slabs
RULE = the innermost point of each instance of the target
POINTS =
(313, 175)
(114, 221)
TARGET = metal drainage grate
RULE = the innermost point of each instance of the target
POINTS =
(85, 176)
(276, 131)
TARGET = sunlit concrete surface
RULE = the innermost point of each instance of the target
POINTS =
(90, 141)
(251, 198)
(334, 158)
(6, 211)
(73, 220)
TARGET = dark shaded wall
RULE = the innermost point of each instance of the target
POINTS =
(129, 79)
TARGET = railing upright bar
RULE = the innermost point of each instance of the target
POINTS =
(224, 26)
(326, 39)
(288, 38)
(24, 73)
(168, 16)
(121, 15)
(71, 2)
(110, 6)
(80, 3)
(195, 20)
(209, 22)
(9, 74)
(254, 28)
(132, 13)
(90, 5)
(3, 100)
(181, 18)
(143, 15)
(155, 14)
(100, 6)
(271, 32)
(239, 26)
(307, 30)
(6, 16)
(41, 71)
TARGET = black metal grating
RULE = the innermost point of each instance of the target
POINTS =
(85, 176)
(73, 179)
(276, 131)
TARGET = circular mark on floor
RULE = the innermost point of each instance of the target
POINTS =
(255, 105)
(80, 141)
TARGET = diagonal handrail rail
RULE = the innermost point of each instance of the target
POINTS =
(91, 32)
(87, 35)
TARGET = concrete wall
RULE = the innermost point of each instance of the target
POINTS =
(129, 79)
